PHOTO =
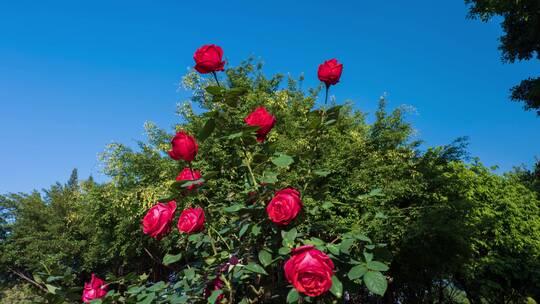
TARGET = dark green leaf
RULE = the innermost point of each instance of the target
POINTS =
(321, 172)
(346, 245)
(243, 230)
(233, 208)
(357, 272)
(292, 296)
(206, 130)
(254, 267)
(215, 90)
(375, 282)
(265, 257)
(375, 265)
(282, 160)
(169, 258)
(213, 297)
(256, 230)
(284, 250)
(337, 287)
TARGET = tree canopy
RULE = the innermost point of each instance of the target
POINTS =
(521, 39)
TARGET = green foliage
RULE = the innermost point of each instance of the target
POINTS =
(410, 225)
(521, 39)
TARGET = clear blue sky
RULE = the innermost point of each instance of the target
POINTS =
(77, 75)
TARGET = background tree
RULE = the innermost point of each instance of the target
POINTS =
(521, 39)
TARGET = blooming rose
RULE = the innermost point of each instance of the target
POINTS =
(184, 147)
(157, 222)
(216, 284)
(262, 119)
(191, 220)
(309, 270)
(330, 72)
(208, 59)
(189, 175)
(284, 206)
(94, 289)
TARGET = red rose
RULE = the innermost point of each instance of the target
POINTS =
(330, 72)
(189, 175)
(309, 270)
(184, 147)
(94, 289)
(191, 220)
(262, 119)
(216, 284)
(157, 222)
(284, 206)
(208, 59)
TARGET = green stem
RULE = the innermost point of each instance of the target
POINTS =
(215, 77)
(326, 96)
(212, 243)
(191, 170)
(221, 237)
(248, 165)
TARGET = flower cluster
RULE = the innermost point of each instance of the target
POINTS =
(308, 269)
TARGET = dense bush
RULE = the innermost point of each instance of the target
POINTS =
(400, 224)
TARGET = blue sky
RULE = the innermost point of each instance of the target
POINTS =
(75, 76)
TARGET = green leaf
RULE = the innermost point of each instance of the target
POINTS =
(213, 297)
(327, 205)
(178, 299)
(375, 265)
(337, 287)
(372, 193)
(375, 282)
(50, 288)
(333, 248)
(234, 208)
(345, 245)
(256, 230)
(282, 160)
(322, 173)
(243, 230)
(269, 177)
(54, 278)
(284, 250)
(206, 130)
(157, 287)
(215, 90)
(265, 257)
(170, 258)
(290, 236)
(368, 256)
(254, 267)
(357, 272)
(362, 237)
(292, 296)
(190, 273)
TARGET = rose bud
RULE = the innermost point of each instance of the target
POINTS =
(189, 175)
(284, 206)
(262, 119)
(216, 284)
(157, 222)
(208, 59)
(330, 71)
(191, 220)
(309, 270)
(184, 147)
(94, 289)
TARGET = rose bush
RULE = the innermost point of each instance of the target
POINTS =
(240, 258)
(368, 196)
